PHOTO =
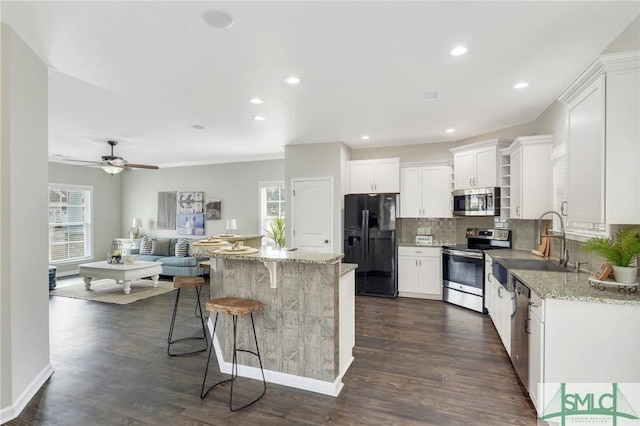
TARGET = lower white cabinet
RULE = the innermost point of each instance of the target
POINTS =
(581, 343)
(420, 272)
(499, 303)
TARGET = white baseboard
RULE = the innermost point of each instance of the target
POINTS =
(276, 377)
(14, 410)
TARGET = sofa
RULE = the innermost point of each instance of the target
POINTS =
(163, 250)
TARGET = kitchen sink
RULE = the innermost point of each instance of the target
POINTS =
(532, 265)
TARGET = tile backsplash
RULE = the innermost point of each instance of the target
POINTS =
(452, 230)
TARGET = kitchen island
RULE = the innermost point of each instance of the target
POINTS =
(306, 326)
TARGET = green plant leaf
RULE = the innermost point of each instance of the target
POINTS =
(621, 250)
(277, 230)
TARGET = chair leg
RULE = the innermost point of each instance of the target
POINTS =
(234, 364)
(184, 339)
(206, 370)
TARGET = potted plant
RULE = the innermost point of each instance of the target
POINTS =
(620, 251)
(276, 230)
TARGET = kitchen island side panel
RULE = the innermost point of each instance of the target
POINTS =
(297, 327)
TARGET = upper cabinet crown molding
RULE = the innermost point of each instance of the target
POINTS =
(604, 64)
(527, 140)
(492, 142)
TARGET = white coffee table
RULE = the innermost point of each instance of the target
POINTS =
(121, 273)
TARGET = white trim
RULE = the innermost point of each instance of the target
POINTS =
(493, 142)
(604, 64)
(276, 377)
(559, 151)
(12, 411)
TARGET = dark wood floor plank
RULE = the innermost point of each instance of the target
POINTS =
(417, 362)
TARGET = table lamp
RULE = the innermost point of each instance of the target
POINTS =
(134, 232)
(231, 226)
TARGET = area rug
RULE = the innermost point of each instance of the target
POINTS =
(108, 291)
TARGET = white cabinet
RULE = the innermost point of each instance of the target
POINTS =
(499, 303)
(536, 350)
(476, 165)
(531, 176)
(425, 191)
(420, 272)
(374, 176)
(576, 342)
(603, 146)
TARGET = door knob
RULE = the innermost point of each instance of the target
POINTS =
(326, 241)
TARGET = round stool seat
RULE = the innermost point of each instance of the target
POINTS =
(233, 305)
(186, 282)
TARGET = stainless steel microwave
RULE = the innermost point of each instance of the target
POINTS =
(476, 202)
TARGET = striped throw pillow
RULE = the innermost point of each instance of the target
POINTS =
(182, 248)
(145, 245)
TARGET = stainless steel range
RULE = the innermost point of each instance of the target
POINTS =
(463, 266)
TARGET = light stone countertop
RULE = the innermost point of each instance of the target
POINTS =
(564, 285)
(274, 255)
(345, 268)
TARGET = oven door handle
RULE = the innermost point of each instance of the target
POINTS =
(469, 254)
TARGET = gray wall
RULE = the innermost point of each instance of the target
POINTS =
(106, 206)
(236, 184)
(319, 160)
(24, 301)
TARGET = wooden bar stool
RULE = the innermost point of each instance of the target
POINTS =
(235, 307)
(180, 283)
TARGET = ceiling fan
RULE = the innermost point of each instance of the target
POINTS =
(113, 164)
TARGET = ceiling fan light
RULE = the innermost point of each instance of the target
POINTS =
(112, 170)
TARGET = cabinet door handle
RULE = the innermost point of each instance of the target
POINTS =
(518, 211)
(526, 326)
(499, 292)
(470, 181)
(489, 276)
(562, 208)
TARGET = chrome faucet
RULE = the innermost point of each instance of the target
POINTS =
(564, 253)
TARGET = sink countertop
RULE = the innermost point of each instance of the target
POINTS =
(564, 285)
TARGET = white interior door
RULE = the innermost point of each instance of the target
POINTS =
(312, 214)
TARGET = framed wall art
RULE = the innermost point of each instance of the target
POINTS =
(213, 209)
(167, 210)
(190, 202)
(190, 223)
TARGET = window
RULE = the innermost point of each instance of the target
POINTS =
(272, 204)
(69, 223)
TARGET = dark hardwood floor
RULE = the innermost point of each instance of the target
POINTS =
(416, 362)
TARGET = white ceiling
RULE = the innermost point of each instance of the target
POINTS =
(143, 73)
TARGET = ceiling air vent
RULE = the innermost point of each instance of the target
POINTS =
(432, 95)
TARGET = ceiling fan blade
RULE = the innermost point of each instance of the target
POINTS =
(84, 161)
(141, 166)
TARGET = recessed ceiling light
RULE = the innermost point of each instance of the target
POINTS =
(450, 130)
(292, 80)
(259, 118)
(365, 137)
(198, 126)
(460, 50)
(256, 101)
(520, 85)
(217, 19)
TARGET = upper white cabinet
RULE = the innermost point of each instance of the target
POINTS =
(425, 191)
(603, 146)
(476, 165)
(374, 176)
(530, 176)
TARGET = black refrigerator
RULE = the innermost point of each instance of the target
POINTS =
(370, 241)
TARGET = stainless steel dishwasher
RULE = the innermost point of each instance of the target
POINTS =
(520, 332)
